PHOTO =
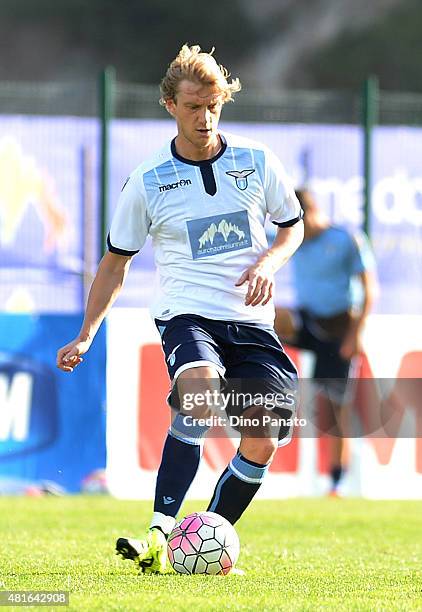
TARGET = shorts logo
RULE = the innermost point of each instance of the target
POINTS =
(219, 234)
(172, 357)
(241, 177)
(168, 500)
(176, 185)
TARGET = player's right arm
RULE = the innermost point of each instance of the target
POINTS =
(128, 232)
(107, 284)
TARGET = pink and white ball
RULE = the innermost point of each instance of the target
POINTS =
(203, 543)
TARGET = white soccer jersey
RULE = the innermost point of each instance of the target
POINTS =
(206, 220)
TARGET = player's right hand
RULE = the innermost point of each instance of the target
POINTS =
(69, 356)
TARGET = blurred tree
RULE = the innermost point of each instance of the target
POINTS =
(264, 41)
(391, 48)
(49, 38)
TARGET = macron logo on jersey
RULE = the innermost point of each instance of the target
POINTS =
(219, 234)
(181, 183)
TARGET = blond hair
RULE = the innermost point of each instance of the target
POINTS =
(195, 65)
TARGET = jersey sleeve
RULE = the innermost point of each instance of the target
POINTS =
(362, 257)
(282, 204)
(130, 225)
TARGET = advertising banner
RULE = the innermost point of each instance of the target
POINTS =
(48, 204)
(52, 424)
(380, 454)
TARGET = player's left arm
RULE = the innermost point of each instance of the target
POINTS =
(284, 211)
(260, 276)
(363, 264)
(351, 344)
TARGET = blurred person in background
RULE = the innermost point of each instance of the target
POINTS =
(326, 321)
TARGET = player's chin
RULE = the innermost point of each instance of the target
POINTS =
(205, 138)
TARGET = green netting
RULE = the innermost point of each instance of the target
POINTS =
(141, 102)
(66, 99)
(400, 108)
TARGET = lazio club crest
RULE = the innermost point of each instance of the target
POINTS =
(241, 177)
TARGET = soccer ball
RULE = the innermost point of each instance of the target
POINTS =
(203, 543)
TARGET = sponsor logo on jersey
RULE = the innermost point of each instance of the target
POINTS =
(241, 177)
(219, 234)
(176, 185)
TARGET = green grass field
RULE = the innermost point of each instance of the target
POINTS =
(301, 554)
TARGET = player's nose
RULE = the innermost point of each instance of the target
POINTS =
(205, 118)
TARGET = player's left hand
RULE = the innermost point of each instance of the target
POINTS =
(260, 279)
(351, 345)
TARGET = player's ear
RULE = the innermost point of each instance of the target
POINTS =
(171, 107)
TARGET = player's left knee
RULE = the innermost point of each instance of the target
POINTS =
(259, 450)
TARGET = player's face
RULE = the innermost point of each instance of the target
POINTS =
(197, 111)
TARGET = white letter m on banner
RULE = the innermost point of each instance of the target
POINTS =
(15, 406)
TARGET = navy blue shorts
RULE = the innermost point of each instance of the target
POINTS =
(248, 357)
(331, 370)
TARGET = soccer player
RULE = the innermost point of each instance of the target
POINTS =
(326, 321)
(203, 198)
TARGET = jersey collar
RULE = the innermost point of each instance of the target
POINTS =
(203, 161)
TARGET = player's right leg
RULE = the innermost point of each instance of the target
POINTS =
(186, 349)
(179, 463)
(149, 554)
(180, 460)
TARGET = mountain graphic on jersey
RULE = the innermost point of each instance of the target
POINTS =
(219, 234)
(224, 229)
(241, 177)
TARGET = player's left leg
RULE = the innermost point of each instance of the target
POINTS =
(242, 478)
(334, 378)
(258, 362)
(337, 462)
